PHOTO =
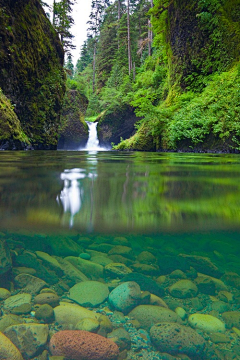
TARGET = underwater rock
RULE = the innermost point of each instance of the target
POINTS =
(71, 272)
(106, 325)
(4, 294)
(5, 258)
(219, 284)
(183, 289)
(217, 338)
(145, 283)
(30, 339)
(79, 344)
(45, 313)
(146, 269)
(68, 315)
(156, 300)
(226, 296)
(47, 298)
(23, 270)
(177, 274)
(50, 262)
(168, 264)
(89, 293)
(64, 246)
(181, 312)
(101, 260)
(115, 270)
(88, 268)
(122, 250)
(30, 260)
(232, 319)
(206, 285)
(203, 265)
(145, 257)
(17, 303)
(102, 247)
(8, 351)
(232, 279)
(207, 323)
(85, 256)
(220, 306)
(9, 320)
(177, 339)
(87, 324)
(121, 259)
(121, 337)
(125, 296)
(29, 284)
(149, 315)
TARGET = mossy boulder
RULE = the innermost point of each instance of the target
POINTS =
(73, 131)
(116, 125)
(11, 134)
(31, 73)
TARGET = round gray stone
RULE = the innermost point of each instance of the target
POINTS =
(125, 296)
(177, 339)
(89, 293)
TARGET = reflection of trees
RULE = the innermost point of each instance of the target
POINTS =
(134, 192)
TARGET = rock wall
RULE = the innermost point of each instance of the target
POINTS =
(203, 38)
(73, 132)
(31, 73)
(117, 125)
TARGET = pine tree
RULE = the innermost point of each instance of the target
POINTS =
(69, 66)
(96, 19)
(86, 55)
(63, 21)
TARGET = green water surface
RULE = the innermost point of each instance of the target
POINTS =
(120, 192)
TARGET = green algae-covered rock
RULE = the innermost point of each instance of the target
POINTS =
(11, 133)
(89, 293)
(207, 323)
(31, 73)
(73, 131)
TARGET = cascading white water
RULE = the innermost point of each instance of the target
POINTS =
(93, 142)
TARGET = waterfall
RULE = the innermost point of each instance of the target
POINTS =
(93, 142)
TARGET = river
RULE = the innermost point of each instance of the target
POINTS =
(167, 216)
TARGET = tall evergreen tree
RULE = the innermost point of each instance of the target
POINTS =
(96, 18)
(86, 55)
(63, 21)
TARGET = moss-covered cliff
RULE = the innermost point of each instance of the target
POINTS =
(11, 134)
(73, 131)
(31, 73)
(198, 42)
(116, 125)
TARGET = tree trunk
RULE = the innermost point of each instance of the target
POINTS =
(150, 34)
(54, 15)
(94, 64)
(119, 18)
(129, 39)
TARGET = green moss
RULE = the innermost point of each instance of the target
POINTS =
(31, 73)
(73, 130)
(199, 107)
(10, 127)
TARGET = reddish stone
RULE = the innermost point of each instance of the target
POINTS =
(82, 345)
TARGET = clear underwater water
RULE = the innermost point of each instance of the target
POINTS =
(167, 203)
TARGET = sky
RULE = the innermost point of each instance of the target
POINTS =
(80, 14)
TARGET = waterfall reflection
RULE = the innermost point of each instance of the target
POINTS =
(71, 196)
